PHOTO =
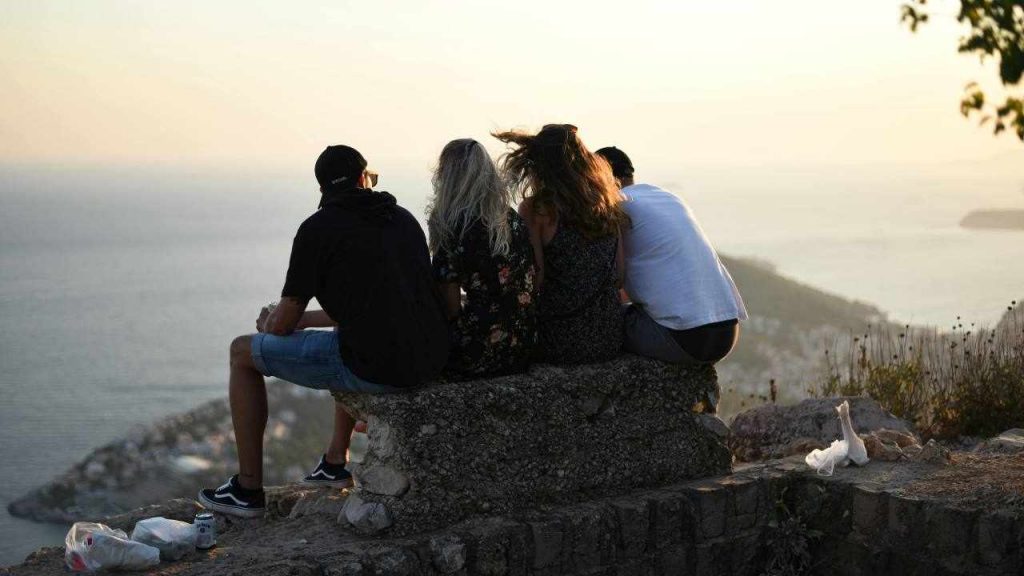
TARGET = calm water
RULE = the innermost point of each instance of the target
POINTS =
(120, 290)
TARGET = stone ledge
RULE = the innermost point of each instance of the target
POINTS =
(556, 435)
(704, 527)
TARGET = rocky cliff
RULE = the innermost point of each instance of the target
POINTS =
(553, 436)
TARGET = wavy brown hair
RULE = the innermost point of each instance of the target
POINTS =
(564, 179)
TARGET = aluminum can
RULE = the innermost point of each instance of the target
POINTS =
(206, 531)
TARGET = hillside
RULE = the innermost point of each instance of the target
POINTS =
(790, 327)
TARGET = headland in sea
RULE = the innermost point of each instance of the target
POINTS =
(994, 219)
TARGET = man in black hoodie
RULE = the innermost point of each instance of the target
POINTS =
(365, 259)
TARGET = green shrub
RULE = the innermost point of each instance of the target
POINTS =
(962, 382)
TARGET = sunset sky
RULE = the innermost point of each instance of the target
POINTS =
(268, 84)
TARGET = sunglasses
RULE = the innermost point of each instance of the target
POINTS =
(372, 177)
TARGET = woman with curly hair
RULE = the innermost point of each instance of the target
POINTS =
(571, 204)
(481, 246)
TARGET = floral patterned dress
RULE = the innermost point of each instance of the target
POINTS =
(580, 319)
(496, 331)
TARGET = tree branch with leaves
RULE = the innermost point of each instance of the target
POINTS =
(996, 31)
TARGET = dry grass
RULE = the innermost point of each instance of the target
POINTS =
(961, 382)
(990, 481)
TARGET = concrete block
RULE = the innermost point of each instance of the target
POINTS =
(448, 553)
(547, 543)
(634, 520)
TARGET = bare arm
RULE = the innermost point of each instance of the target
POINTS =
(315, 319)
(452, 295)
(284, 318)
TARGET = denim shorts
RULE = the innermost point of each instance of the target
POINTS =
(309, 358)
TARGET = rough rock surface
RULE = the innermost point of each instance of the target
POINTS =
(1010, 442)
(965, 519)
(509, 445)
(773, 431)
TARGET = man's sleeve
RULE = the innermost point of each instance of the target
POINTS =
(303, 276)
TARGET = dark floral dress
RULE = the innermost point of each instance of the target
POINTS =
(580, 318)
(496, 331)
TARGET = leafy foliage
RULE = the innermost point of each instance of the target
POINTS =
(788, 542)
(996, 30)
(965, 382)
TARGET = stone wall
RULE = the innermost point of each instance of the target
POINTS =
(870, 522)
(554, 436)
(726, 525)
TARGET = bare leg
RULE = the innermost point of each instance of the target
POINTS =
(337, 452)
(248, 396)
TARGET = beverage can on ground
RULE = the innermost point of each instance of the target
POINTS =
(206, 531)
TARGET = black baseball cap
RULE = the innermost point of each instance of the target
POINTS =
(339, 166)
(621, 164)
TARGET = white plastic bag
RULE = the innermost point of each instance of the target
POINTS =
(90, 547)
(173, 538)
(825, 461)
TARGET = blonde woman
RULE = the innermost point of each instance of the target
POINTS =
(481, 246)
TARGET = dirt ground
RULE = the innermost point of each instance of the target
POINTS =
(976, 481)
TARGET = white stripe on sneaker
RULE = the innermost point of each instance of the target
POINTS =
(232, 496)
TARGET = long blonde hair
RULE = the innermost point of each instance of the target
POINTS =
(564, 179)
(467, 189)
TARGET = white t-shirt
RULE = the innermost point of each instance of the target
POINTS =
(671, 267)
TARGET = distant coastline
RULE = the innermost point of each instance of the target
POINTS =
(994, 219)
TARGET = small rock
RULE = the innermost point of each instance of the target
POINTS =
(447, 553)
(933, 453)
(898, 437)
(1011, 439)
(366, 517)
(381, 441)
(428, 429)
(879, 449)
(383, 480)
(714, 424)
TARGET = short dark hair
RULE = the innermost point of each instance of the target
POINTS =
(621, 165)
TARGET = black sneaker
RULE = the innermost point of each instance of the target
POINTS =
(327, 474)
(234, 500)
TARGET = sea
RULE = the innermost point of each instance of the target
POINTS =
(121, 287)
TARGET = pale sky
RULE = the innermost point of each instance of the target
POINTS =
(676, 83)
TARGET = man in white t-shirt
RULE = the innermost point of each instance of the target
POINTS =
(685, 307)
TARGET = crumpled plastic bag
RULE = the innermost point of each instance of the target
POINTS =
(825, 461)
(850, 449)
(173, 538)
(90, 547)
